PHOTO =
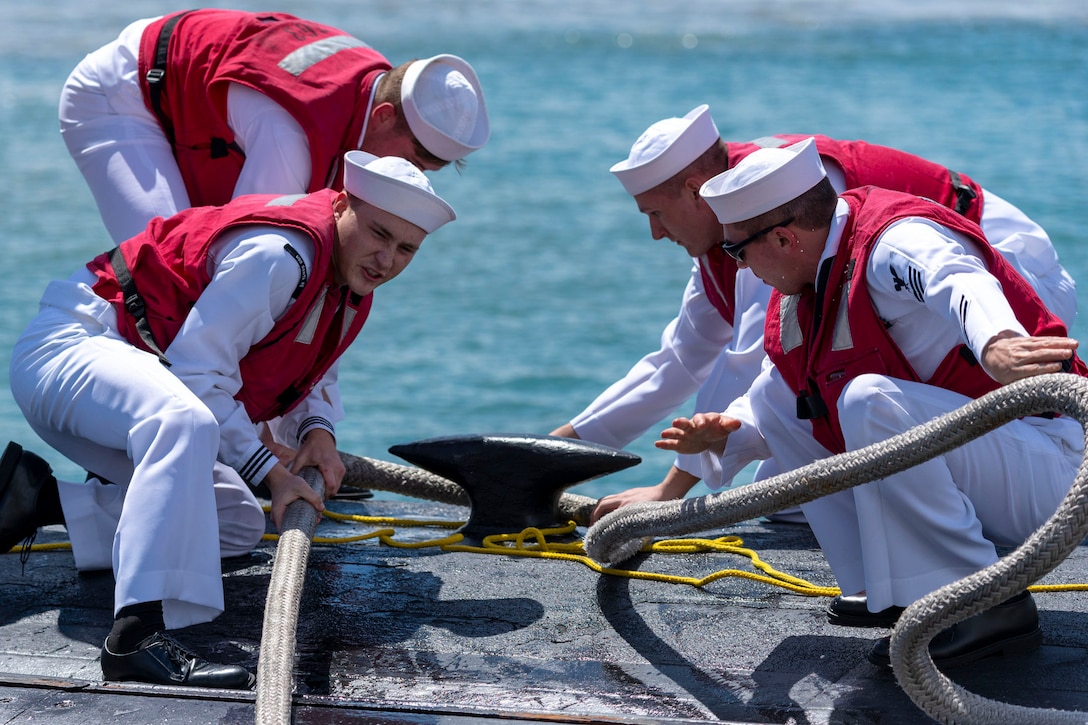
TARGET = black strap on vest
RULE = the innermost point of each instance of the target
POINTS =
(812, 405)
(303, 273)
(288, 397)
(965, 195)
(156, 76)
(134, 303)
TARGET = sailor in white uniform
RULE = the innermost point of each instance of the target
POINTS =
(121, 149)
(155, 513)
(894, 540)
(700, 353)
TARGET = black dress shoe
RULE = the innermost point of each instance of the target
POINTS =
(853, 611)
(1010, 628)
(161, 660)
(22, 476)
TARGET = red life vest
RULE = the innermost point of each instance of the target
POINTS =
(322, 76)
(719, 274)
(169, 264)
(852, 340)
(863, 164)
(866, 164)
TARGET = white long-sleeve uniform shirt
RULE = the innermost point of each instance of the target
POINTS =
(165, 435)
(908, 533)
(700, 352)
(249, 291)
(951, 299)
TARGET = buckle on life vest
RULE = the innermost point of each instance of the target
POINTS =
(155, 76)
(810, 406)
(220, 148)
(134, 303)
(965, 195)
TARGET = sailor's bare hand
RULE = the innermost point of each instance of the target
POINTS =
(614, 501)
(286, 488)
(319, 450)
(284, 454)
(675, 485)
(701, 432)
(1008, 357)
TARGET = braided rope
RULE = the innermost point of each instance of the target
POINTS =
(619, 535)
(275, 668)
(418, 483)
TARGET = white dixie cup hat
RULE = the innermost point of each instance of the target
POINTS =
(665, 148)
(396, 186)
(444, 105)
(764, 180)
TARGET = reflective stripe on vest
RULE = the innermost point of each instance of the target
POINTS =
(306, 332)
(704, 263)
(769, 142)
(301, 59)
(791, 336)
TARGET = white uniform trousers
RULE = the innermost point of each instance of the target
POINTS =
(117, 411)
(910, 533)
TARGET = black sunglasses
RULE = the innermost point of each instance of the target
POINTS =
(736, 251)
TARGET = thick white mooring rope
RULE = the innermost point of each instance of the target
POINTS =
(275, 668)
(619, 535)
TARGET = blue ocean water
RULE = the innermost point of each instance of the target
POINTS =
(548, 287)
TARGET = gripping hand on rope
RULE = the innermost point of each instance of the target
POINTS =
(287, 487)
(318, 449)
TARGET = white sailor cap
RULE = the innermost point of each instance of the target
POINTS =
(665, 148)
(764, 180)
(444, 106)
(396, 186)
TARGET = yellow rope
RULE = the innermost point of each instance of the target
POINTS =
(534, 543)
(55, 546)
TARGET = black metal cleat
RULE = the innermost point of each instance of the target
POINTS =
(513, 481)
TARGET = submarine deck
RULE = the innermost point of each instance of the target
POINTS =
(422, 635)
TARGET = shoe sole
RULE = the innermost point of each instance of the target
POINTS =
(849, 620)
(1011, 647)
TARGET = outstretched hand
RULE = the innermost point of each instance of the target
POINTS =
(702, 432)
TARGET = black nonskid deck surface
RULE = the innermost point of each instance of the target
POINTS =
(392, 635)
